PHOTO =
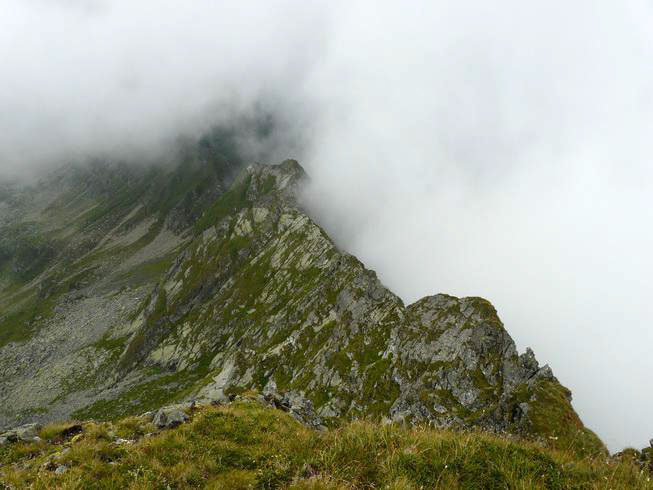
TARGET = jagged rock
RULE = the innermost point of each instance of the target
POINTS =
(528, 360)
(169, 417)
(61, 469)
(296, 405)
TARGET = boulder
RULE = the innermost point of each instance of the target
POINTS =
(28, 432)
(25, 433)
(9, 436)
(169, 417)
(212, 395)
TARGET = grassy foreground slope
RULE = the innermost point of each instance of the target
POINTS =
(246, 445)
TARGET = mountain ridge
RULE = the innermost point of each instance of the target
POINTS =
(253, 294)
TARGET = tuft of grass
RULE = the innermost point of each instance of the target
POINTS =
(245, 445)
(23, 322)
(553, 419)
(132, 428)
(150, 395)
(60, 432)
(147, 272)
(97, 431)
(230, 202)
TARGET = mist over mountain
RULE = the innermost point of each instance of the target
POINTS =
(495, 150)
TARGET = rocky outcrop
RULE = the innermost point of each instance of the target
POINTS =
(25, 433)
(299, 407)
(169, 417)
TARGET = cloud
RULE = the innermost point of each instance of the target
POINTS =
(499, 149)
(504, 150)
(125, 77)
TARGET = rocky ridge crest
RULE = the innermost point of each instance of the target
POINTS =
(270, 303)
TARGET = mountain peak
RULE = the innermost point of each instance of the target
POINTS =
(284, 177)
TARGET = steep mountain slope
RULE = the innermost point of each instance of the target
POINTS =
(257, 296)
(81, 249)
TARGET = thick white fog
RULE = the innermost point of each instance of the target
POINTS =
(82, 77)
(499, 149)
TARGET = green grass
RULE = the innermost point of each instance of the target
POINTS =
(165, 388)
(26, 250)
(229, 203)
(147, 272)
(22, 323)
(245, 445)
(552, 418)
